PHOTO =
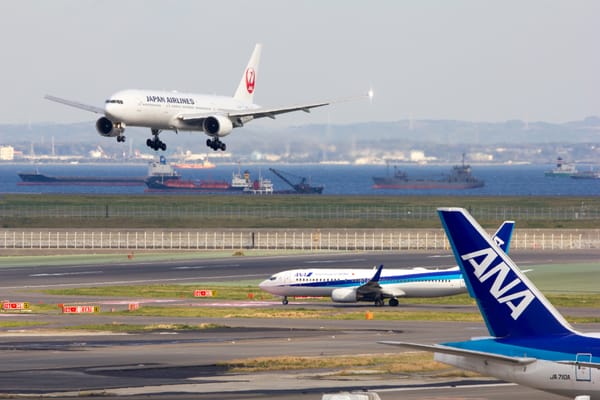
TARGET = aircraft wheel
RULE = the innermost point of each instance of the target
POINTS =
(208, 142)
(149, 143)
(394, 302)
(284, 301)
(223, 146)
(163, 146)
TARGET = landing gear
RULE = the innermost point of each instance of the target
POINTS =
(120, 138)
(216, 144)
(393, 302)
(379, 302)
(155, 143)
(284, 301)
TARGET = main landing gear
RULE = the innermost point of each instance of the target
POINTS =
(216, 144)
(393, 302)
(121, 139)
(155, 143)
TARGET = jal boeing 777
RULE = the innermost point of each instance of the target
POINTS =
(162, 110)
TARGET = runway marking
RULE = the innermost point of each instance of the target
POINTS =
(68, 273)
(335, 261)
(141, 281)
(208, 266)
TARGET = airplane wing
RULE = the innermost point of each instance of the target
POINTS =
(259, 112)
(197, 118)
(438, 348)
(75, 104)
(273, 112)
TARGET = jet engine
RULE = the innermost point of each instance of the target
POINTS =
(217, 125)
(107, 128)
(344, 295)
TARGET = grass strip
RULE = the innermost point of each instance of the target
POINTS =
(251, 291)
(20, 323)
(393, 363)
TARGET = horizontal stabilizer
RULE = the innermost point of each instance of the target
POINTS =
(438, 348)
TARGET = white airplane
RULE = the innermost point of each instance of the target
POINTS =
(531, 343)
(354, 285)
(162, 110)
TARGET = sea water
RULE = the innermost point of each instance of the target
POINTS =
(500, 180)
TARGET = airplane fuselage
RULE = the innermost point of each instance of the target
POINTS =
(554, 377)
(162, 110)
(322, 282)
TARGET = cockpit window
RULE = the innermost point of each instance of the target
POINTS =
(114, 101)
(274, 277)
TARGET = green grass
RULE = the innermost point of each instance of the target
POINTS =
(20, 323)
(211, 211)
(580, 298)
(223, 291)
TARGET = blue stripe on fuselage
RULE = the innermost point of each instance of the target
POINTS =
(385, 280)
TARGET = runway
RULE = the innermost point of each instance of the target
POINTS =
(183, 364)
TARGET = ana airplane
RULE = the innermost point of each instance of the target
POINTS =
(531, 342)
(354, 285)
(160, 110)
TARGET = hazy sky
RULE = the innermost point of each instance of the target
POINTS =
(469, 60)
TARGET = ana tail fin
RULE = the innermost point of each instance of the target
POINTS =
(509, 303)
(503, 235)
(245, 90)
(377, 275)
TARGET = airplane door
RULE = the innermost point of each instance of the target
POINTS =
(583, 373)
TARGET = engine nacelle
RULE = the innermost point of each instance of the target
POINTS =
(107, 128)
(217, 125)
(344, 295)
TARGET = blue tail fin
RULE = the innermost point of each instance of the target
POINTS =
(503, 235)
(510, 304)
(377, 275)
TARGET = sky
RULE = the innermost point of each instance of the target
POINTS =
(474, 60)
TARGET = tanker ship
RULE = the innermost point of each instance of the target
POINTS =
(460, 177)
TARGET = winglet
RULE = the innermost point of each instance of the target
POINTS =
(245, 90)
(509, 303)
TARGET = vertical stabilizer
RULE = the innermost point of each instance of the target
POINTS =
(503, 235)
(245, 90)
(510, 304)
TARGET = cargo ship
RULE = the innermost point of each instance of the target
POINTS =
(156, 170)
(562, 170)
(36, 178)
(240, 183)
(460, 177)
(190, 186)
